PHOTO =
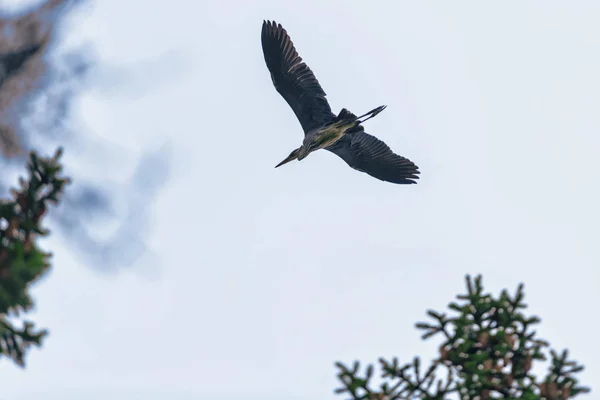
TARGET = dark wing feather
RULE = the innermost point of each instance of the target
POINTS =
(366, 153)
(293, 79)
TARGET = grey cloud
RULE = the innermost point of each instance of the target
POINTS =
(92, 202)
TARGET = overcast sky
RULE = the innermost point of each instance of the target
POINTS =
(258, 279)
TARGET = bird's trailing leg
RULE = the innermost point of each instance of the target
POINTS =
(371, 113)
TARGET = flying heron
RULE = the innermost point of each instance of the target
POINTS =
(341, 134)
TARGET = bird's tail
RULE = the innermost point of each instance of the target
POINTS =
(345, 114)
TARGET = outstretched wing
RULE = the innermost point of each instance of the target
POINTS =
(366, 153)
(293, 79)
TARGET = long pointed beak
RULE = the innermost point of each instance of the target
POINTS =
(287, 160)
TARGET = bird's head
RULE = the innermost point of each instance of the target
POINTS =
(293, 155)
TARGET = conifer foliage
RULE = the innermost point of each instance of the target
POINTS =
(488, 352)
(22, 262)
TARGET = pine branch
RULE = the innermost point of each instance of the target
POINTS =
(488, 351)
(22, 262)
